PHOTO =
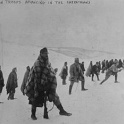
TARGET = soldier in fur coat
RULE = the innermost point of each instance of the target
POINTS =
(42, 80)
(12, 84)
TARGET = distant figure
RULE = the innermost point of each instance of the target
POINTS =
(103, 65)
(120, 63)
(111, 62)
(82, 67)
(1, 80)
(76, 75)
(64, 73)
(12, 84)
(113, 70)
(107, 65)
(95, 70)
(99, 66)
(25, 79)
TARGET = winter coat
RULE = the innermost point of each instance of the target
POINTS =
(41, 79)
(25, 79)
(95, 69)
(76, 73)
(12, 82)
(1, 81)
(64, 72)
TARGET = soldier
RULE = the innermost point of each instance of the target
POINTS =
(1, 80)
(82, 67)
(113, 70)
(12, 83)
(95, 70)
(64, 73)
(76, 75)
(41, 84)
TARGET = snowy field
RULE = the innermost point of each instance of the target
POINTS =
(100, 104)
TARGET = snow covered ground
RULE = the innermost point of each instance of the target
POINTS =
(100, 104)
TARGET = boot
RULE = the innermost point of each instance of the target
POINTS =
(33, 116)
(82, 86)
(70, 88)
(11, 96)
(62, 111)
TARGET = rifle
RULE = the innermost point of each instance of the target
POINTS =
(45, 107)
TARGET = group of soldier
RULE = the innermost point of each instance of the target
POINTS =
(77, 69)
(39, 82)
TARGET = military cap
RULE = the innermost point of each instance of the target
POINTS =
(44, 50)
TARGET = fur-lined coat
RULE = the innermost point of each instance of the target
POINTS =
(12, 82)
(41, 79)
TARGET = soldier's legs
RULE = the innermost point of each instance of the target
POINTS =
(106, 78)
(82, 84)
(33, 112)
(70, 87)
(56, 101)
(11, 95)
(92, 76)
(116, 77)
(97, 77)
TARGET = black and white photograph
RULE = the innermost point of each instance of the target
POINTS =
(61, 62)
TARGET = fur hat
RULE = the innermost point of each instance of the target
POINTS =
(44, 50)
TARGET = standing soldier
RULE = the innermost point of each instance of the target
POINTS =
(76, 75)
(42, 83)
(82, 67)
(25, 79)
(99, 66)
(12, 83)
(1, 80)
(120, 63)
(95, 70)
(64, 73)
(103, 65)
